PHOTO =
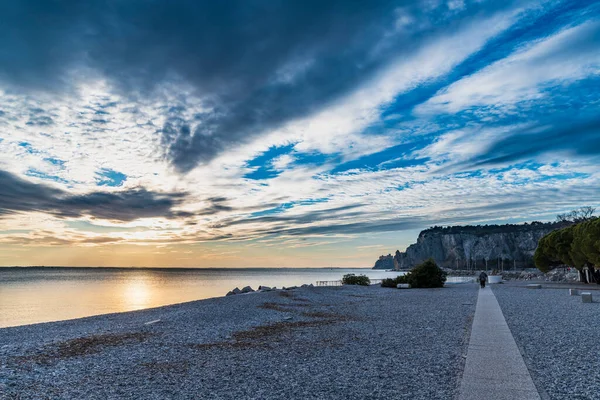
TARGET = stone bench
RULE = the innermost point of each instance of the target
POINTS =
(403, 286)
(586, 297)
(573, 292)
(534, 286)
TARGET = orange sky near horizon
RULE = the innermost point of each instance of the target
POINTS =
(180, 256)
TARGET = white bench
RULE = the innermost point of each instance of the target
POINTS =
(573, 292)
(534, 286)
(586, 297)
(403, 286)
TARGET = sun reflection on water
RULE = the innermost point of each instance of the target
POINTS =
(30, 296)
(137, 294)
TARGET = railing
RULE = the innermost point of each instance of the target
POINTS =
(329, 283)
(339, 282)
(460, 279)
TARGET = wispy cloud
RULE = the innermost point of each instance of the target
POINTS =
(525, 75)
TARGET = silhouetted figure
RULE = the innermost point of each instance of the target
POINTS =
(482, 279)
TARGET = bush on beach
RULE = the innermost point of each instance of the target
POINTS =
(352, 279)
(426, 275)
(393, 282)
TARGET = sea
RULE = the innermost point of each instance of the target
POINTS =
(44, 294)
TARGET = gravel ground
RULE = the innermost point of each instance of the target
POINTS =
(313, 343)
(558, 335)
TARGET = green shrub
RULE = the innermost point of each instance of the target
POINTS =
(389, 282)
(352, 279)
(426, 275)
(393, 282)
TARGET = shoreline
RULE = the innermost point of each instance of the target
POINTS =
(142, 309)
(516, 283)
(36, 295)
(105, 314)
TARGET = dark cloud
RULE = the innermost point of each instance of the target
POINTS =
(335, 221)
(400, 224)
(305, 218)
(256, 63)
(575, 136)
(18, 195)
(340, 220)
(217, 205)
(51, 240)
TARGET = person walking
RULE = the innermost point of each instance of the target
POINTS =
(482, 278)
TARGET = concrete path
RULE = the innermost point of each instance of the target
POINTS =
(494, 369)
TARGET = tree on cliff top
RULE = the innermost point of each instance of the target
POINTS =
(582, 214)
(482, 230)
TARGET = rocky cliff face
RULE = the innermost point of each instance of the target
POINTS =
(385, 262)
(470, 247)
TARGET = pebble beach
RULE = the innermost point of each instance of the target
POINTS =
(307, 343)
(558, 337)
(345, 342)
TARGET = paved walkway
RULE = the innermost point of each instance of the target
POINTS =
(495, 368)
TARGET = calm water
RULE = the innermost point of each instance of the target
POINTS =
(32, 295)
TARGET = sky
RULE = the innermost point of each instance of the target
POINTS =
(277, 133)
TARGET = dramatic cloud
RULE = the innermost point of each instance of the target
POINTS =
(581, 138)
(18, 195)
(254, 65)
(289, 130)
(527, 74)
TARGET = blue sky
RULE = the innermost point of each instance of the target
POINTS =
(267, 133)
